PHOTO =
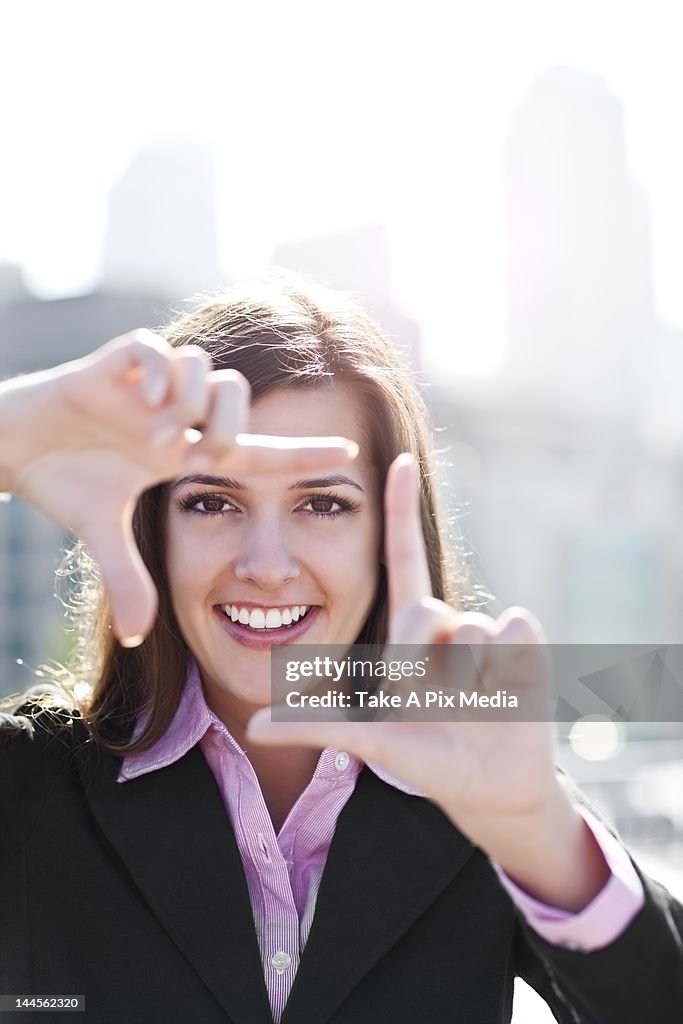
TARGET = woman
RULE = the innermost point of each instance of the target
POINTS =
(412, 889)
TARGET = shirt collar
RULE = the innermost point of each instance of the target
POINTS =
(191, 721)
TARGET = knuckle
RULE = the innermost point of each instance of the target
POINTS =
(144, 335)
(433, 610)
(519, 626)
(230, 397)
(147, 342)
(426, 617)
(194, 357)
(471, 634)
(230, 377)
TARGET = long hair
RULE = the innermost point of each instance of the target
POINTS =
(282, 333)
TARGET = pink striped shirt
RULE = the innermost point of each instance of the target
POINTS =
(283, 871)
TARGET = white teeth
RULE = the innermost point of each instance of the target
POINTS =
(265, 618)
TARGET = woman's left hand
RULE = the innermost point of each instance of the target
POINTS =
(495, 780)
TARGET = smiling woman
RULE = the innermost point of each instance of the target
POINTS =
(242, 555)
(173, 854)
(316, 364)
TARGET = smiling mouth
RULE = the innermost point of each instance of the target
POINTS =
(265, 620)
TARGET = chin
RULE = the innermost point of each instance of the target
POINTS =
(257, 694)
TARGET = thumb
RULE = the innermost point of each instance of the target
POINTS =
(322, 728)
(132, 596)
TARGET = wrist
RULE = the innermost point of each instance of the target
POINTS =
(560, 863)
(24, 410)
(552, 855)
(10, 405)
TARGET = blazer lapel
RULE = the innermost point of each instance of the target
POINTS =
(391, 857)
(171, 829)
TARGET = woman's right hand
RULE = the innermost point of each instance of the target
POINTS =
(82, 441)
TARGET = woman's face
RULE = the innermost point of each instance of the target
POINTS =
(245, 556)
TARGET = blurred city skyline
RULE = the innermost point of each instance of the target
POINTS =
(574, 443)
(319, 124)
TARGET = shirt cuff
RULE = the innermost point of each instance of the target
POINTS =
(605, 918)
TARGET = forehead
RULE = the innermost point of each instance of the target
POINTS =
(333, 409)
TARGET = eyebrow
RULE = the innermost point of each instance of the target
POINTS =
(336, 480)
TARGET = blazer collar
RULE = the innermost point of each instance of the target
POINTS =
(171, 831)
(391, 857)
(192, 720)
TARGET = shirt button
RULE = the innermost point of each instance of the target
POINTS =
(281, 961)
(341, 761)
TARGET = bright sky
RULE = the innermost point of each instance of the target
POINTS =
(325, 116)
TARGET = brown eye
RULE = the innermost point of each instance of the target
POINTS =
(211, 504)
(322, 505)
(327, 506)
(207, 504)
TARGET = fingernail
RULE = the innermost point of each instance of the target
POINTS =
(131, 641)
(164, 434)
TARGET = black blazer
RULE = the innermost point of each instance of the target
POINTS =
(134, 895)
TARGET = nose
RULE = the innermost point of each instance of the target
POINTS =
(265, 557)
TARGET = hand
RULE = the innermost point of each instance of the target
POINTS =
(474, 770)
(82, 441)
(495, 779)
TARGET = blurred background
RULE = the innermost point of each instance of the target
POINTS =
(500, 183)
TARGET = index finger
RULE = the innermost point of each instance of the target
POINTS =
(406, 558)
(265, 453)
(142, 357)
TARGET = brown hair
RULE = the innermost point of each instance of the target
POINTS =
(280, 333)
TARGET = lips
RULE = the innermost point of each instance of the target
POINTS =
(258, 639)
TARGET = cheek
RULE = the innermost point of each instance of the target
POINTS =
(353, 555)
(360, 575)
(189, 562)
